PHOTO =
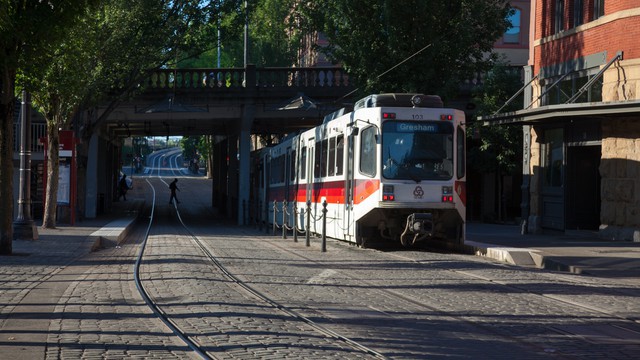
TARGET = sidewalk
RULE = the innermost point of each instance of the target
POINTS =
(579, 252)
(69, 241)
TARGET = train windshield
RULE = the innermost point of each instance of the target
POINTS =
(417, 150)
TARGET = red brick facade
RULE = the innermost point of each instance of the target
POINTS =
(599, 148)
(621, 33)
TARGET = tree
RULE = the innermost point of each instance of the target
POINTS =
(274, 36)
(26, 29)
(496, 149)
(453, 39)
(105, 58)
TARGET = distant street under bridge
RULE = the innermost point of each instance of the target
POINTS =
(229, 103)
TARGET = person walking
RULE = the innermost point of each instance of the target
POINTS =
(173, 187)
(123, 187)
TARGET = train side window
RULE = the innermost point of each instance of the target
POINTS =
(323, 159)
(318, 160)
(281, 169)
(292, 166)
(262, 169)
(339, 154)
(277, 169)
(332, 156)
(368, 156)
(303, 163)
(460, 147)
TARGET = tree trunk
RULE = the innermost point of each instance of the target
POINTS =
(6, 160)
(53, 170)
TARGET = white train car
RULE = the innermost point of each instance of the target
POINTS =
(392, 169)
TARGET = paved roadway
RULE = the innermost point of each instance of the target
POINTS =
(61, 301)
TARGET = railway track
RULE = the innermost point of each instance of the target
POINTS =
(363, 295)
(199, 346)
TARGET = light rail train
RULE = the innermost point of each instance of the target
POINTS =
(392, 169)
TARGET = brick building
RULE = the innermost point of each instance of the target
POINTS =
(581, 118)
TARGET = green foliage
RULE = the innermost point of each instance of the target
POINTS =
(274, 39)
(496, 148)
(109, 50)
(370, 37)
(192, 145)
(273, 36)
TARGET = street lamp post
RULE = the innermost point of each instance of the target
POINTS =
(24, 227)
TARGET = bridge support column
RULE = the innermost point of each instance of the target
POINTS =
(220, 170)
(244, 152)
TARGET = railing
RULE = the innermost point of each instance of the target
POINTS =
(234, 78)
(292, 220)
(37, 131)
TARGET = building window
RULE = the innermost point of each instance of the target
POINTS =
(567, 88)
(598, 9)
(512, 35)
(559, 16)
(578, 13)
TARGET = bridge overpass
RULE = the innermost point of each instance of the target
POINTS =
(230, 103)
(213, 101)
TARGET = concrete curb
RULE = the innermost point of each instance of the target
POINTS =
(509, 255)
(112, 234)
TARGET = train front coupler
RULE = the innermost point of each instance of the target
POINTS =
(418, 227)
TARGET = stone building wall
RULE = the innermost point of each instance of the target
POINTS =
(620, 161)
(620, 171)
(621, 82)
(534, 184)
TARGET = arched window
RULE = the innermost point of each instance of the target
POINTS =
(512, 35)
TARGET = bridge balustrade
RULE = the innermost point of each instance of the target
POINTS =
(234, 78)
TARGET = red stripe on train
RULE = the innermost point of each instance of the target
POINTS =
(333, 191)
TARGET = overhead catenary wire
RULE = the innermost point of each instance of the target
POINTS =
(390, 69)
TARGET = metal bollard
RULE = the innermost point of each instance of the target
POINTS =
(308, 222)
(275, 211)
(295, 221)
(324, 226)
(284, 218)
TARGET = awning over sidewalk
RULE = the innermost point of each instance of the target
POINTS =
(555, 113)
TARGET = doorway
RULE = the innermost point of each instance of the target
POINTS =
(583, 192)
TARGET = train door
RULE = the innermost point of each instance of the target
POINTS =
(309, 165)
(287, 172)
(348, 186)
(290, 182)
(267, 187)
(310, 179)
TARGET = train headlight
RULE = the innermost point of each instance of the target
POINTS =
(387, 193)
(447, 194)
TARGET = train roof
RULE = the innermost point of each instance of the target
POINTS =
(399, 100)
